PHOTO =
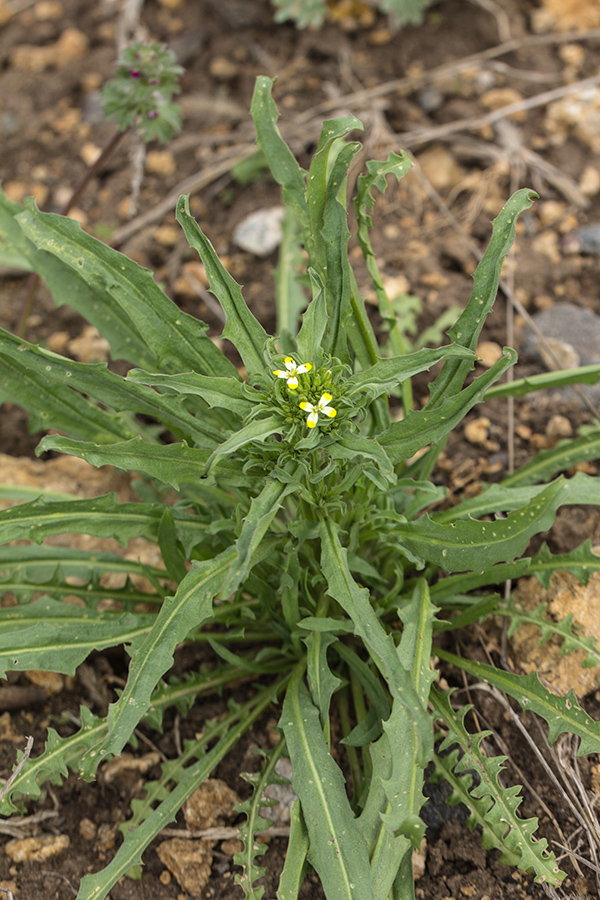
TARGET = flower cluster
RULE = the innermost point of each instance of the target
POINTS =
(312, 388)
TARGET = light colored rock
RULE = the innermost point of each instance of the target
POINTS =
(36, 849)
(566, 15)
(476, 432)
(440, 167)
(71, 45)
(260, 232)
(210, 805)
(565, 595)
(489, 352)
(189, 862)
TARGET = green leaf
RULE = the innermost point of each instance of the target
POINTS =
(257, 430)
(97, 886)
(471, 545)
(27, 378)
(486, 279)
(290, 297)
(426, 426)
(336, 849)
(263, 510)
(65, 285)
(357, 447)
(176, 339)
(291, 877)
(173, 464)
(58, 377)
(493, 808)
(227, 393)
(580, 562)
(548, 462)
(284, 167)
(563, 714)
(387, 374)
(545, 381)
(188, 609)
(57, 637)
(255, 823)
(402, 782)
(356, 602)
(242, 328)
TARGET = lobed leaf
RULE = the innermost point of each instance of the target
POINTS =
(464, 546)
(188, 609)
(486, 279)
(57, 637)
(493, 807)
(563, 714)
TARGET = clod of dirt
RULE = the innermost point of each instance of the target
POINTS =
(210, 805)
(565, 595)
(566, 15)
(71, 45)
(51, 682)
(282, 793)
(476, 432)
(36, 849)
(188, 861)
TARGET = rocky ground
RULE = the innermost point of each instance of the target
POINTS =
(438, 91)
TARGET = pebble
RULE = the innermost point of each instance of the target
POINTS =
(222, 68)
(489, 352)
(589, 183)
(496, 98)
(574, 334)
(557, 428)
(476, 432)
(160, 162)
(584, 240)
(260, 232)
(440, 168)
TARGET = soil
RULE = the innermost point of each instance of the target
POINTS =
(56, 54)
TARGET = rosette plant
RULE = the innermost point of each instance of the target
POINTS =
(301, 533)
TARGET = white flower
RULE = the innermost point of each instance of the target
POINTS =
(321, 407)
(291, 371)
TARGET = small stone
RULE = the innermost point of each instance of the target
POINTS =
(52, 682)
(47, 10)
(90, 153)
(434, 280)
(232, 846)
(167, 235)
(589, 183)
(87, 829)
(260, 232)
(396, 285)
(489, 352)
(440, 168)
(547, 244)
(496, 98)
(165, 877)
(222, 68)
(476, 432)
(160, 162)
(90, 346)
(550, 212)
(558, 427)
(572, 54)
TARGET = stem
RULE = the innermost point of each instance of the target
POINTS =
(34, 279)
(355, 771)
